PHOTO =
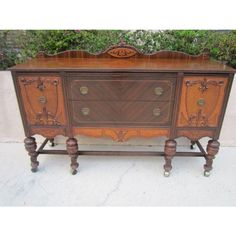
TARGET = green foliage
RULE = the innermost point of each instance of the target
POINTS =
(7, 53)
(220, 44)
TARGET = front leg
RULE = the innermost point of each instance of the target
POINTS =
(212, 150)
(192, 145)
(170, 150)
(72, 149)
(51, 142)
(31, 146)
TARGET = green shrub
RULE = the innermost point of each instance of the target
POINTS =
(221, 44)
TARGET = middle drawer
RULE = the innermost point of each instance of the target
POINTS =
(135, 113)
(118, 90)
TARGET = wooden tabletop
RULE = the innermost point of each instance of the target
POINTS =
(124, 58)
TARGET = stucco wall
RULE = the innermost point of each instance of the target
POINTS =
(11, 129)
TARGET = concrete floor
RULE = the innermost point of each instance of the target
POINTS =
(115, 181)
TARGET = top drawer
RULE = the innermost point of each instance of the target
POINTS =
(141, 87)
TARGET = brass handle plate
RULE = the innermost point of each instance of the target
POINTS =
(85, 111)
(201, 102)
(158, 91)
(156, 111)
(42, 100)
(83, 90)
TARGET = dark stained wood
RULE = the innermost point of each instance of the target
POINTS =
(195, 134)
(131, 89)
(120, 90)
(113, 113)
(48, 132)
(124, 58)
(72, 149)
(212, 150)
(123, 50)
(121, 93)
(128, 65)
(170, 151)
(31, 146)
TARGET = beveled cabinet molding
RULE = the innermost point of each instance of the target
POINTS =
(121, 94)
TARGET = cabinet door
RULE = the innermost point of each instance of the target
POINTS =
(42, 99)
(201, 101)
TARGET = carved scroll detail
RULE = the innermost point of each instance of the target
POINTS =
(43, 99)
(121, 134)
(40, 82)
(48, 132)
(201, 101)
(195, 135)
(198, 119)
(204, 84)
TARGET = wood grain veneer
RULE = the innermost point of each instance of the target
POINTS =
(121, 93)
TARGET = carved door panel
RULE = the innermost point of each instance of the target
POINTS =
(201, 101)
(42, 99)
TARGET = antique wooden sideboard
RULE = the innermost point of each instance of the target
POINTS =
(122, 93)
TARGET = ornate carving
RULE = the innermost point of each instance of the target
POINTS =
(31, 146)
(48, 132)
(46, 118)
(121, 134)
(39, 81)
(72, 149)
(125, 51)
(43, 99)
(212, 150)
(204, 84)
(201, 101)
(198, 119)
(170, 150)
(195, 135)
(122, 52)
(40, 85)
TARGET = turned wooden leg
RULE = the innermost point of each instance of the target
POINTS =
(192, 146)
(212, 150)
(51, 142)
(72, 149)
(170, 150)
(31, 146)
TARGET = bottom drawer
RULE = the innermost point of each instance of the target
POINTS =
(134, 113)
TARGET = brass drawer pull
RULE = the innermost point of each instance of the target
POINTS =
(158, 91)
(42, 100)
(201, 102)
(83, 90)
(85, 111)
(156, 111)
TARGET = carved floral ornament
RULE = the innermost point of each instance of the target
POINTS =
(41, 116)
(204, 84)
(122, 52)
(40, 82)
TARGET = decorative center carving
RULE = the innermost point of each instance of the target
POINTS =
(40, 85)
(122, 52)
(121, 135)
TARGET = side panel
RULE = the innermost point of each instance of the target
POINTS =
(202, 99)
(41, 99)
